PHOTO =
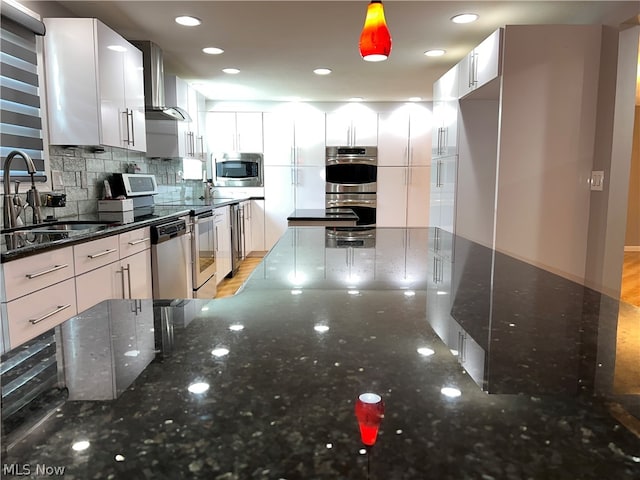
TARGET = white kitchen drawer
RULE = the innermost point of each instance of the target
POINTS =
(134, 241)
(36, 272)
(38, 312)
(95, 254)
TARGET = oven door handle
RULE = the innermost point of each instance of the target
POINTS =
(364, 203)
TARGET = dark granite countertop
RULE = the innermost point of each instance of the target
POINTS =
(161, 212)
(538, 377)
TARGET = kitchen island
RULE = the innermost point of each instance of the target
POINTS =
(263, 384)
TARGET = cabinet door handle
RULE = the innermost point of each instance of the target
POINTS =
(101, 254)
(48, 270)
(60, 308)
(133, 132)
(137, 242)
(128, 269)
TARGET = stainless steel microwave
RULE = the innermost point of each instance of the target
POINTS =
(239, 170)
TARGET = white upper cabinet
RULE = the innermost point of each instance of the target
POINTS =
(173, 138)
(235, 132)
(294, 137)
(481, 65)
(444, 136)
(95, 87)
(405, 137)
(352, 125)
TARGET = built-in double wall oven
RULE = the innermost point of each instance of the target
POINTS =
(351, 175)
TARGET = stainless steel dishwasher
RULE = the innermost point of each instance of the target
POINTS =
(171, 260)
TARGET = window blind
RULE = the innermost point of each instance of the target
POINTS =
(20, 119)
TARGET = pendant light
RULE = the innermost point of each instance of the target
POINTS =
(375, 39)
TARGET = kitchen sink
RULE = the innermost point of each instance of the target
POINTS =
(60, 226)
(47, 232)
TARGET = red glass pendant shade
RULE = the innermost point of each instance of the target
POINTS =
(369, 412)
(375, 39)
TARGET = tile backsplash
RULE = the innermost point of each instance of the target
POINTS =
(83, 170)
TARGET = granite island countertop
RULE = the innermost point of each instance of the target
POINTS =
(263, 384)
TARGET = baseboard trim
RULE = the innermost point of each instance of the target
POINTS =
(632, 248)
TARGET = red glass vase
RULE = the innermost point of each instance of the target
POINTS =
(369, 412)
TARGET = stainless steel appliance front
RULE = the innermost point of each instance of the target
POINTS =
(204, 255)
(351, 169)
(239, 170)
(351, 182)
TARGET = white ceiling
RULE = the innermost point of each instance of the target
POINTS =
(277, 44)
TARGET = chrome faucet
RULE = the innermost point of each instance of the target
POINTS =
(33, 197)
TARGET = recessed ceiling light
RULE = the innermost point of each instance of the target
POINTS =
(188, 21)
(322, 71)
(356, 99)
(231, 71)
(414, 99)
(465, 18)
(436, 52)
(212, 50)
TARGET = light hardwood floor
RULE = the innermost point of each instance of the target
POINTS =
(631, 278)
(229, 286)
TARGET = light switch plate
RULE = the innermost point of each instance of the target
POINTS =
(597, 180)
(57, 183)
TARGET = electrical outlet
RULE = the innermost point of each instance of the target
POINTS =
(597, 180)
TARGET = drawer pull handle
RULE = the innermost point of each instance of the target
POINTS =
(47, 315)
(137, 242)
(106, 252)
(44, 272)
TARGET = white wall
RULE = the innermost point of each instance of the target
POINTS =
(547, 131)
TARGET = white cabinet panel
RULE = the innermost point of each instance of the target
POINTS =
(235, 132)
(95, 254)
(391, 197)
(222, 232)
(110, 279)
(309, 187)
(279, 143)
(40, 311)
(403, 197)
(355, 125)
(134, 241)
(279, 201)
(481, 65)
(444, 137)
(101, 103)
(33, 273)
(418, 186)
(393, 141)
(257, 220)
(137, 268)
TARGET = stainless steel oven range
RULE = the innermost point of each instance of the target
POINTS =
(351, 175)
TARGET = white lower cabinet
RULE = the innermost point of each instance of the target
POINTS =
(256, 221)
(222, 232)
(129, 278)
(115, 267)
(288, 188)
(37, 295)
(33, 314)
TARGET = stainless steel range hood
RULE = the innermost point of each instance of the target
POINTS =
(153, 63)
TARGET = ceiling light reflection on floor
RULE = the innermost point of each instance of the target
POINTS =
(425, 351)
(450, 392)
(198, 387)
